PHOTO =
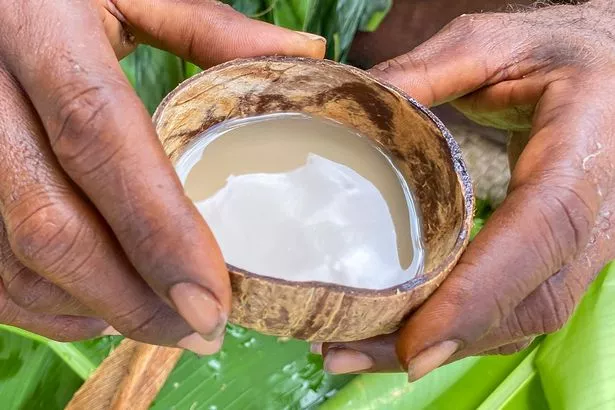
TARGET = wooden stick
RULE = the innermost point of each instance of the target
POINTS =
(129, 378)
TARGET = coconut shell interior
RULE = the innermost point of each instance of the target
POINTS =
(422, 148)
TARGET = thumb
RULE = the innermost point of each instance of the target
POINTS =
(543, 224)
(209, 32)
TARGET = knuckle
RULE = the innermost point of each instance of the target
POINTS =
(466, 24)
(520, 323)
(469, 315)
(545, 311)
(79, 139)
(149, 241)
(411, 65)
(552, 322)
(32, 292)
(461, 291)
(557, 307)
(458, 289)
(565, 218)
(572, 52)
(138, 323)
(19, 285)
(42, 233)
(78, 111)
(156, 240)
(8, 313)
(397, 63)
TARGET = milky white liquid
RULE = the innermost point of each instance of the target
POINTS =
(304, 199)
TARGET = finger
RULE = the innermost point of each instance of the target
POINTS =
(510, 348)
(211, 32)
(26, 288)
(31, 291)
(508, 105)
(37, 294)
(548, 308)
(121, 38)
(371, 355)
(55, 233)
(471, 52)
(60, 328)
(377, 355)
(104, 139)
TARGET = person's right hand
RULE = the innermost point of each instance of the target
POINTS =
(547, 74)
(96, 233)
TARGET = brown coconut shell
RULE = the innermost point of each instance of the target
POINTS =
(424, 150)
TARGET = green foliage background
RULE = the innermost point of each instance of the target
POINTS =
(572, 369)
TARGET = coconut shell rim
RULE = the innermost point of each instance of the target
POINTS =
(454, 151)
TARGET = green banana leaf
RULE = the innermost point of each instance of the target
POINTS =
(81, 357)
(32, 376)
(375, 12)
(153, 73)
(337, 20)
(251, 8)
(577, 364)
(290, 14)
(252, 371)
(36, 372)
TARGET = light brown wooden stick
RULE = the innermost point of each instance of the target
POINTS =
(129, 378)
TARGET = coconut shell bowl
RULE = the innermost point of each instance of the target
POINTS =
(421, 147)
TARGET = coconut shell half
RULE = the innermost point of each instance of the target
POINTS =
(423, 149)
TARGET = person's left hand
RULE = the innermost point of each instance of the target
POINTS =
(548, 75)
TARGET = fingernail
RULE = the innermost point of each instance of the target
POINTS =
(343, 361)
(430, 359)
(311, 36)
(112, 8)
(316, 348)
(196, 344)
(110, 331)
(200, 309)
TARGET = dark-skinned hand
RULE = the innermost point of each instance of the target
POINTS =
(96, 234)
(549, 76)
